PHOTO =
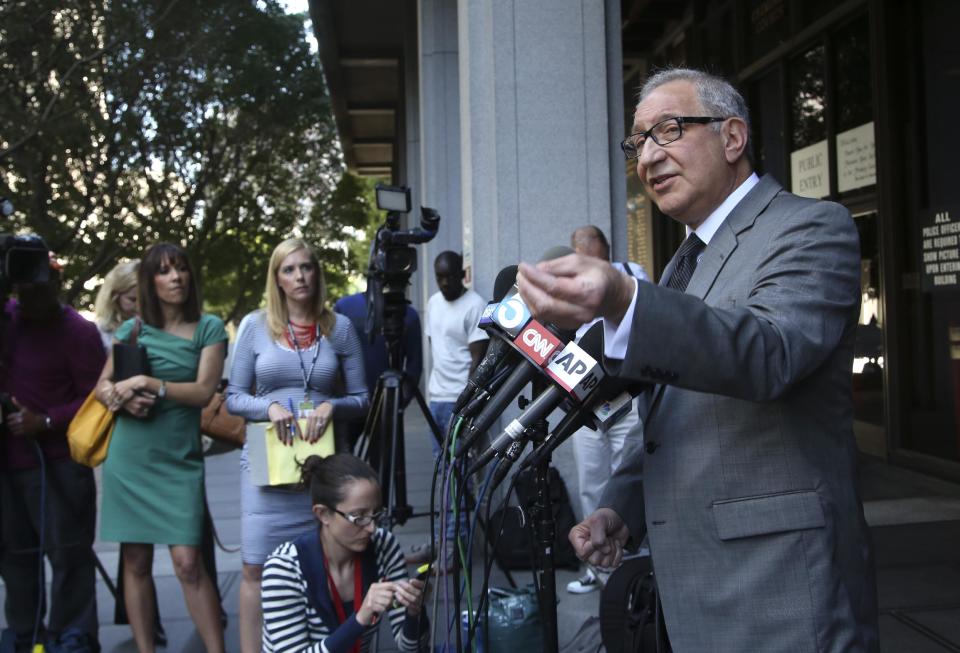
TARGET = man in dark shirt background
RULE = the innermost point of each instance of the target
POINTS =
(375, 357)
(50, 359)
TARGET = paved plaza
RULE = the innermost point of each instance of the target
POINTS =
(915, 521)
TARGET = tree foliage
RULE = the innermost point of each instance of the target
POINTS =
(204, 122)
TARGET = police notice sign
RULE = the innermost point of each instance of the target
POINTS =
(940, 252)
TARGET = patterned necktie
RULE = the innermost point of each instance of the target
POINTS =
(686, 262)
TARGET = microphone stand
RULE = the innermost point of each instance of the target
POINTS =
(545, 529)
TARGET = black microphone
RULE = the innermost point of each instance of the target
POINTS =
(498, 402)
(538, 342)
(505, 463)
(575, 370)
(479, 399)
(519, 324)
(612, 397)
(567, 426)
(498, 348)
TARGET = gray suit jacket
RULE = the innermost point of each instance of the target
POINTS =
(749, 483)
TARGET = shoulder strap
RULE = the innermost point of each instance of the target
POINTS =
(135, 332)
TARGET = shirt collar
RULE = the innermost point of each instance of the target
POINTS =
(709, 227)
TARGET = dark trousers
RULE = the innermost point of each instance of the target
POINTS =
(69, 512)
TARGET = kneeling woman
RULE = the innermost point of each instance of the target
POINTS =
(327, 589)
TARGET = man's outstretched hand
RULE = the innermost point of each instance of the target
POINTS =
(574, 289)
(599, 539)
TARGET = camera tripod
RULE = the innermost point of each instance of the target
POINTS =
(382, 441)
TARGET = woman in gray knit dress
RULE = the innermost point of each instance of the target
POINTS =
(289, 353)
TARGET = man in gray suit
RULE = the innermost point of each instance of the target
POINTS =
(748, 491)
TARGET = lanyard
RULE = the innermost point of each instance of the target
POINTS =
(357, 593)
(316, 354)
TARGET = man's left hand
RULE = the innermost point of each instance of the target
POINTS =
(25, 423)
(574, 289)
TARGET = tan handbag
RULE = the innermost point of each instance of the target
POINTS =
(220, 425)
(89, 432)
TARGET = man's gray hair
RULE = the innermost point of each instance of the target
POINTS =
(717, 96)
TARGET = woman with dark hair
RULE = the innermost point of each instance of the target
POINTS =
(327, 589)
(153, 490)
(292, 354)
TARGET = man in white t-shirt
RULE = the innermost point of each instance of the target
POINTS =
(456, 343)
(598, 453)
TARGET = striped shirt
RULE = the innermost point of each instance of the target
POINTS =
(291, 624)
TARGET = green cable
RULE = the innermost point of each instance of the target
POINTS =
(459, 542)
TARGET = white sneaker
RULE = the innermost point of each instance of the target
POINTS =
(585, 584)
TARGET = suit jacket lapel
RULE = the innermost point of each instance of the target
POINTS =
(725, 240)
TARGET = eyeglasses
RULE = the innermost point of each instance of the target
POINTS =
(664, 132)
(362, 521)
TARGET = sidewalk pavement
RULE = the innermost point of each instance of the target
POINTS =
(915, 522)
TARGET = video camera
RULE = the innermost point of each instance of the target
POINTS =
(23, 259)
(392, 261)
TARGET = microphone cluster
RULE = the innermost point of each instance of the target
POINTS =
(523, 349)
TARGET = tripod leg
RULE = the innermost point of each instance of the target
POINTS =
(386, 442)
(367, 447)
(434, 428)
(393, 433)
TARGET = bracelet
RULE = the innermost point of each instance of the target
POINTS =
(162, 392)
(48, 422)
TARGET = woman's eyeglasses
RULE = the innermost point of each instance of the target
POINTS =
(362, 521)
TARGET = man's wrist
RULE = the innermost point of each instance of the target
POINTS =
(620, 297)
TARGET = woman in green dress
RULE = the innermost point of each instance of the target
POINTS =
(153, 477)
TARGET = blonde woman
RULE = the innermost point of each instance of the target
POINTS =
(117, 299)
(289, 353)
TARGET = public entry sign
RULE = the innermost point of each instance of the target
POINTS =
(940, 252)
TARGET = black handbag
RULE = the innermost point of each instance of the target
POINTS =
(130, 357)
(515, 548)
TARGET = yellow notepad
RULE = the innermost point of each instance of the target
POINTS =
(275, 463)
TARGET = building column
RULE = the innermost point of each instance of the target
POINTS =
(439, 153)
(539, 115)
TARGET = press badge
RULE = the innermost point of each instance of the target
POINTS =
(305, 408)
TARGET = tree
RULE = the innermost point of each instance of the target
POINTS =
(206, 123)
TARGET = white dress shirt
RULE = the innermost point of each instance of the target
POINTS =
(617, 336)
